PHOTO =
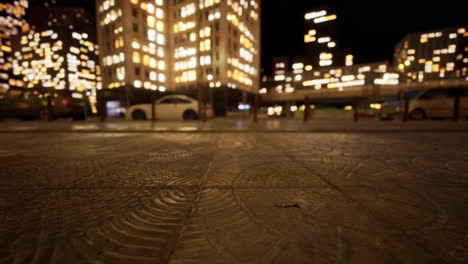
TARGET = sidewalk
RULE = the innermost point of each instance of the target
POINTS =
(234, 125)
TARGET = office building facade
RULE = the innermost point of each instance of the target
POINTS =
(12, 22)
(59, 52)
(433, 55)
(204, 47)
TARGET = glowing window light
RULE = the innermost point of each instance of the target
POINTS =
(280, 65)
(450, 66)
(309, 67)
(120, 73)
(161, 40)
(280, 78)
(325, 63)
(159, 2)
(151, 35)
(324, 19)
(162, 77)
(364, 69)
(161, 65)
(331, 44)
(75, 50)
(193, 37)
(324, 40)
(161, 52)
(49, 33)
(160, 26)
(136, 57)
(146, 60)
(289, 89)
(136, 45)
(246, 55)
(313, 15)
(151, 21)
(309, 39)
(150, 8)
(152, 63)
(299, 65)
(137, 84)
(453, 36)
(153, 76)
(349, 60)
(316, 82)
(159, 13)
(187, 10)
(452, 48)
(348, 78)
(326, 56)
(76, 35)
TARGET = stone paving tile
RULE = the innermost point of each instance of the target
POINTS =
(233, 198)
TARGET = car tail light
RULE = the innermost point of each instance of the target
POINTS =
(65, 102)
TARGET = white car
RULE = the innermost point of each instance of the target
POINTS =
(170, 107)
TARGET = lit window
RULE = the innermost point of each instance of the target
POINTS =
(162, 77)
(161, 39)
(151, 21)
(159, 13)
(136, 57)
(151, 35)
(153, 76)
(161, 65)
(193, 37)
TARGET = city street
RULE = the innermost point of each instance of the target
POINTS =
(244, 197)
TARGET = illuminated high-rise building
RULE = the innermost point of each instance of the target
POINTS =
(432, 55)
(322, 39)
(11, 23)
(59, 52)
(133, 38)
(206, 48)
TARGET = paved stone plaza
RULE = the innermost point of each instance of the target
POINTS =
(234, 198)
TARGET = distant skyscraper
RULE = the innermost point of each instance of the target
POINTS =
(193, 46)
(433, 55)
(11, 23)
(322, 39)
(60, 51)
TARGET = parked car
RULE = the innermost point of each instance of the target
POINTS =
(393, 109)
(429, 104)
(170, 107)
(31, 104)
(439, 103)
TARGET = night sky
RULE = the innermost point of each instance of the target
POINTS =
(370, 29)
